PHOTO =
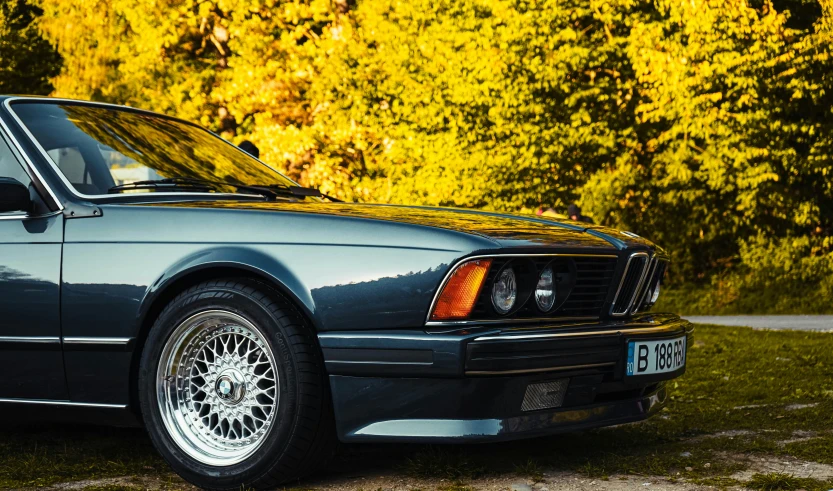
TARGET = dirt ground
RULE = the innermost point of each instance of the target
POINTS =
(376, 477)
(385, 480)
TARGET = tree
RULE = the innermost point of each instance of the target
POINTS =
(214, 62)
(27, 61)
(704, 125)
(491, 104)
(734, 125)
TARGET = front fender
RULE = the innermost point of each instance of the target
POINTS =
(230, 258)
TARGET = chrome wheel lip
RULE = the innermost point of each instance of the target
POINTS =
(178, 417)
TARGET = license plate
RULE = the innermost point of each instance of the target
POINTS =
(651, 357)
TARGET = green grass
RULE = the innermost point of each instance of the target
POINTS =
(733, 297)
(530, 469)
(776, 481)
(445, 463)
(34, 456)
(735, 403)
(818, 449)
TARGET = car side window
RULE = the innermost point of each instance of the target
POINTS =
(9, 165)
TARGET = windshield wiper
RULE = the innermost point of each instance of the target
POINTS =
(171, 183)
(192, 184)
(189, 184)
(299, 191)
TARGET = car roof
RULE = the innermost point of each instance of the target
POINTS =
(3, 97)
(59, 100)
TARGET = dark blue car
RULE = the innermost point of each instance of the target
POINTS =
(152, 273)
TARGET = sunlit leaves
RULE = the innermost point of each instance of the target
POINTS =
(697, 123)
(730, 148)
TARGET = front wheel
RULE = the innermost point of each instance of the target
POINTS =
(232, 388)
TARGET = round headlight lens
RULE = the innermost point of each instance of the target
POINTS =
(545, 290)
(504, 291)
(655, 294)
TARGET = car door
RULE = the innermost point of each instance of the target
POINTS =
(31, 360)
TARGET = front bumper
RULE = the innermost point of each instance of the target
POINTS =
(469, 384)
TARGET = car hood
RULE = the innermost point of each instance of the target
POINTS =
(505, 229)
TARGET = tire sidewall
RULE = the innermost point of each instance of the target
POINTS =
(256, 312)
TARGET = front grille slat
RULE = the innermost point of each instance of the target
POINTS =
(640, 294)
(631, 283)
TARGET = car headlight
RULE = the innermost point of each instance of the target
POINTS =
(504, 291)
(545, 290)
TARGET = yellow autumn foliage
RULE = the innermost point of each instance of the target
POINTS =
(704, 125)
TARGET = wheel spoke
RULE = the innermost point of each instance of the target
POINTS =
(226, 385)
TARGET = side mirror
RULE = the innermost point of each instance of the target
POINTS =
(14, 196)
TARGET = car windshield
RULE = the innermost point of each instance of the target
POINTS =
(97, 148)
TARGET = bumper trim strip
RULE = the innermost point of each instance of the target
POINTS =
(631, 331)
(539, 370)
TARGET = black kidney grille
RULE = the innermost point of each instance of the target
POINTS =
(650, 284)
(643, 288)
(588, 295)
(636, 267)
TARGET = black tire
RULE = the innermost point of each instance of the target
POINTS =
(302, 437)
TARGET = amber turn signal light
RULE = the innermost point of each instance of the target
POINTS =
(460, 293)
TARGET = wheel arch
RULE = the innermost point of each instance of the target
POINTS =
(212, 265)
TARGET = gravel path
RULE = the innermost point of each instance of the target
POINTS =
(822, 323)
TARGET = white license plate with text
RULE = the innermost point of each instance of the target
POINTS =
(652, 357)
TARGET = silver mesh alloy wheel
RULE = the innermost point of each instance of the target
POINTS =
(218, 387)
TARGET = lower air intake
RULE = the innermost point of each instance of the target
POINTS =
(545, 395)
